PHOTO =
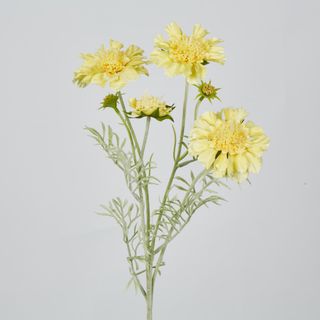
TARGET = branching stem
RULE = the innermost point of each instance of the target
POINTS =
(168, 238)
(145, 187)
(173, 172)
(150, 234)
(144, 204)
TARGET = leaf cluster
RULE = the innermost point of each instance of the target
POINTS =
(178, 211)
(115, 149)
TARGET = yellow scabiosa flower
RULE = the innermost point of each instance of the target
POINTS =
(115, 65)
(152, 106)
(226, 144)
(186, 55)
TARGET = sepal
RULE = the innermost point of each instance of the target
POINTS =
(155, 114)
(110, 101)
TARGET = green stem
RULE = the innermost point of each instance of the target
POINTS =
(173, 172)
(196, 109)
(183, 121)
(168, 239)
(129, 123)
(135, 147)
(149, 293)
(144, 204)
(141, 207)
(144, 143)
(145, 187)
(129, 134)
(133, 272)
(183, 156)
(149, 288)
(145, 138)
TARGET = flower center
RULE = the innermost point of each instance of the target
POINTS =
(114, 63)
(187, 50)
(208, 89)
(229, 138)
(113, 68)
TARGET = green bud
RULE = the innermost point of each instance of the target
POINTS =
(110, 101)
(207, 91)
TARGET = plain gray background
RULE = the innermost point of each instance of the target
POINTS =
(256, 257)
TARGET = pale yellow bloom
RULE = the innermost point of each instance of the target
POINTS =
(186, 55)
(228, 145)
(114, 65)
(149, 105)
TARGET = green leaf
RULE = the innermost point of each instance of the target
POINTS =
(180, 188)
(183, 180)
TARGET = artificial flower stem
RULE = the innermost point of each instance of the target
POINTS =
(168, 238)
(149, 293)
(134, 146)
(145, 138)
(149, 258)
(196, 109)
(129, 123)
(173, 172)
(144, 143)
(183, 156)
(129, 134)
(133, 272)
(183, 121)
(145, 187)
(145, 229)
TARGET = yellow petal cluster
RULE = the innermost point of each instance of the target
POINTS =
(186, 55)
(228, 145)
(148, 104)
(114, 65)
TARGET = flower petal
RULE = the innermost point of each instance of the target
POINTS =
(174, 31)
(199, 31)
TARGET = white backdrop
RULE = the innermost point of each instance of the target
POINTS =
(256, 257)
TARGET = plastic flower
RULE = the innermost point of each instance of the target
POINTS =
(207, 91)
(186, 55)
(113, 65)
(151, 106)
(227, 145)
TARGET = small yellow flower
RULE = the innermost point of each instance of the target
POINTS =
(152, 106)
(226, 144)
(114, 64)
(186, 55)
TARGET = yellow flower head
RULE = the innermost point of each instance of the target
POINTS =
(186, 55)
(149, 105)
(226, 144)
(114, 64)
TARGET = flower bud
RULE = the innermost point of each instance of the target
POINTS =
(207, 91)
